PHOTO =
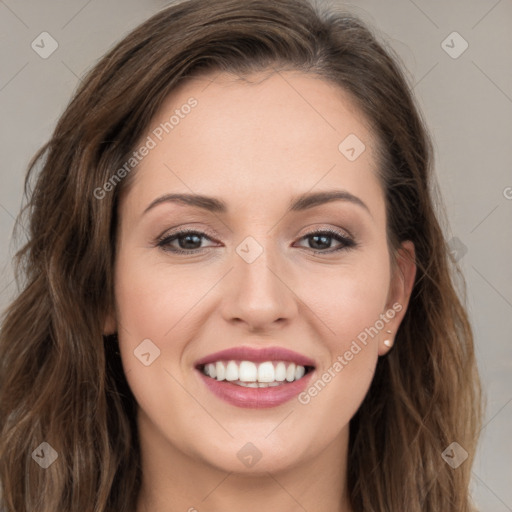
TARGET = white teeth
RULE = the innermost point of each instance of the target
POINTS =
(299, 372)
(212, 370)
(220, 370)
(290, 372)
(265, 372)
(280, 372)
(253, 375)
(247, 371)
(248, 384)
(257, 384)
(232, 371)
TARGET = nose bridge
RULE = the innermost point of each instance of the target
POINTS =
(258, 294)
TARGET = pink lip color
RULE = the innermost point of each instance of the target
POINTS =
(256, 398)
(257, 355)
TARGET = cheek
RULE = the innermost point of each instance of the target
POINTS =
(351, 303)
(161, 303)
(152, 297)
(153, 304)
(147, 307)
(348, 299)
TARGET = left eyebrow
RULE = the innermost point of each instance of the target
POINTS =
(312, 199)
(300, 203)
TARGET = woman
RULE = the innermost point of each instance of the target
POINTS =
(236, 290)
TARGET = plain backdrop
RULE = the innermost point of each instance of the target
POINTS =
(466, 99)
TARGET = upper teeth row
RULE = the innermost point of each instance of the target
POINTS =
(247, 371)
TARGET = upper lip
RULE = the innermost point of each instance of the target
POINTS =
(257, 355)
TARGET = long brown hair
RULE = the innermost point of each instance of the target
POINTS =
(61, 381)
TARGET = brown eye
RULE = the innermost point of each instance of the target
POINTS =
(188, 242)
(321, 240)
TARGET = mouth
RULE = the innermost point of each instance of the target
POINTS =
(255, 378)
(255, 375)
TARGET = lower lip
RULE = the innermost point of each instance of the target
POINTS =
(256, 398)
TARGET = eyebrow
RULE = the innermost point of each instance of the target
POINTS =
(299, 203)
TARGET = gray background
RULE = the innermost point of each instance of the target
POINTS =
(467, 103)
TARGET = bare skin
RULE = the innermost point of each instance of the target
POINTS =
(256, 146)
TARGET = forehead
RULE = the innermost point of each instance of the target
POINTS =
(283, 131)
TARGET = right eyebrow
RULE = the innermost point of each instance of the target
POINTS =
(211, 204)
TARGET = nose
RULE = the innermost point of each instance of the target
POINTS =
(258, 295)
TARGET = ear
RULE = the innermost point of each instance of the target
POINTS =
(403, 274)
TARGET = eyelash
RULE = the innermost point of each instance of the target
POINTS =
(164, 241)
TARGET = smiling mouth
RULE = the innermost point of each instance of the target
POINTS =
(255, 375)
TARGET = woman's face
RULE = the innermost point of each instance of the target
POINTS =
(271, 267)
